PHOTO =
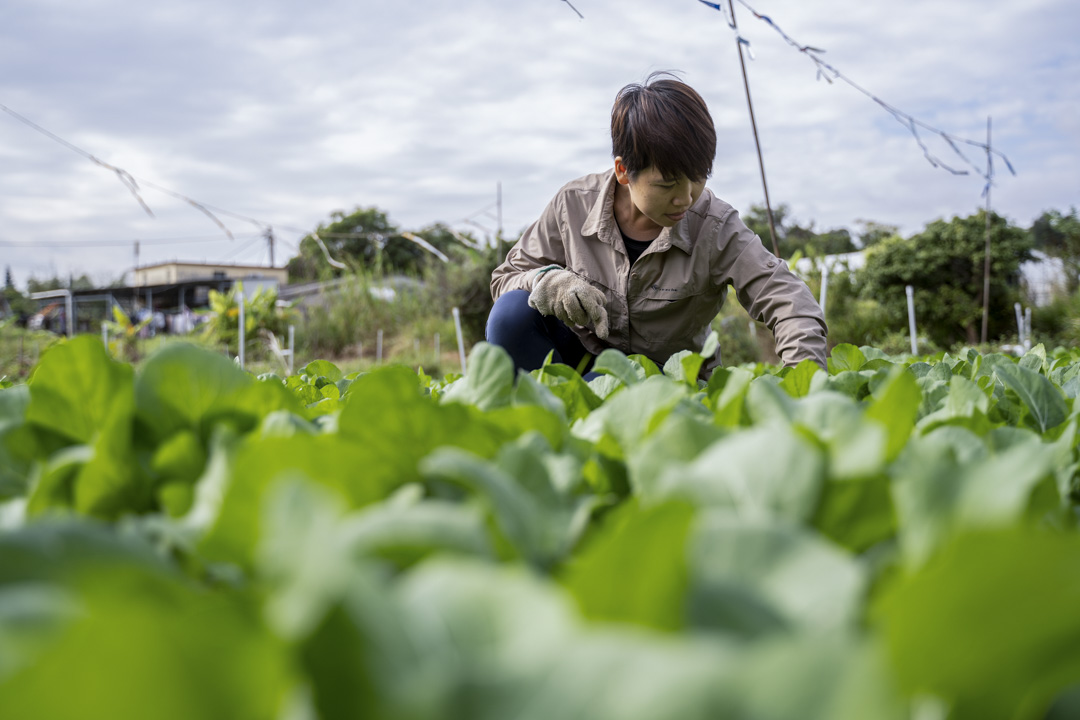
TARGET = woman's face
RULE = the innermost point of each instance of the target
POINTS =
(664, 201)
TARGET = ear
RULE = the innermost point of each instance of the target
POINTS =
(621, 173)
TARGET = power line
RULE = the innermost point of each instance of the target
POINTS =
(132, 183)
(574, 9)
(114, 243)
(830, 73)
(129, 180)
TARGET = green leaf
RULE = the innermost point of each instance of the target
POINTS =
(857, 513)
(74, 388)
(646, 364)
(15, 446)
(840, 676)
(356, 473)
(407, 534)
(680, 438)
(1042, 399)
(749, 578)
(766, 402)
(612, 362)
(712, 344)
(632, 414)
(567, 385)
(542, 520)
(112, 483)
(727, 392)
(184, 387)
(990, 625)
(55, 486)
(856, 448)
(489, 382)
(636, 543)
(691, 368)
(1034, 359)
(322, 369)
(845, 357)
(896, 406)
(947, 481)
(146, 643)
(966, 405)
(529, 391)
(797, 382)
(387, 414)
(766, 471)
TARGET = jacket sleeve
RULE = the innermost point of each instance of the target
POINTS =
(541, 245)
(772, 294)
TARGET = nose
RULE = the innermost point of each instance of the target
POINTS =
(682, 197)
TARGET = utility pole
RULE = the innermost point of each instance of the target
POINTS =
(269, 235)
(757, 141)
(986, 262)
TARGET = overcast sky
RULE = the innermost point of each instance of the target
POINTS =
(285, 112)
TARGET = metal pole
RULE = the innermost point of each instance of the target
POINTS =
(824, 285)
(436, 346)
(240, 300)
(1027, 328)
(69, 307)
(292, 348)
(1018, 309)
(986, 263)
(378, 347)
(911, 318)
(460, 338)
(757, 140)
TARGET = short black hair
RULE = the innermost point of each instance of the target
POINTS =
(663, 123)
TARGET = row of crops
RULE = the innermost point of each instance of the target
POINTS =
(887, 539)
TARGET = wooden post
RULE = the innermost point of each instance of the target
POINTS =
(757, 140)
(986, 262)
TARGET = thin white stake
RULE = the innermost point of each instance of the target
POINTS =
(292, 348)
(436, 346)
(911, 318)
(240, 301)
(378, 347)
(460, 338)
(1027, 328)
(1019, 310)
(824, 286)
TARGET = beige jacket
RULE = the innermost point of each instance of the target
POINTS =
(666, 301)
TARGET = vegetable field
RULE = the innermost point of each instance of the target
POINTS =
(888, 539)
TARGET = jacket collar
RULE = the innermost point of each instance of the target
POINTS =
(601, 222)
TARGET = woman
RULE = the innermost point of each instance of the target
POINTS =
(640, 258)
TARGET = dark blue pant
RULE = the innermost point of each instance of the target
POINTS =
(529, 336)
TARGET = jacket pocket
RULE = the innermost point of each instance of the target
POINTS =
(672, 319)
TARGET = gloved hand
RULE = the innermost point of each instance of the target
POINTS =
(563, 294)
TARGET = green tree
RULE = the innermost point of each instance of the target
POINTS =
(944, 264)
(872, 232)
(366, 239)
(1058, 235)
(793, 237)
(757, 219)
(82, 282)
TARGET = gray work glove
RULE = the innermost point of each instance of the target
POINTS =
(563, 294)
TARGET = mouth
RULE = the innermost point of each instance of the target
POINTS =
(676, 217)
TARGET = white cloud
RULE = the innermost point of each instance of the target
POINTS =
(285, 114)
